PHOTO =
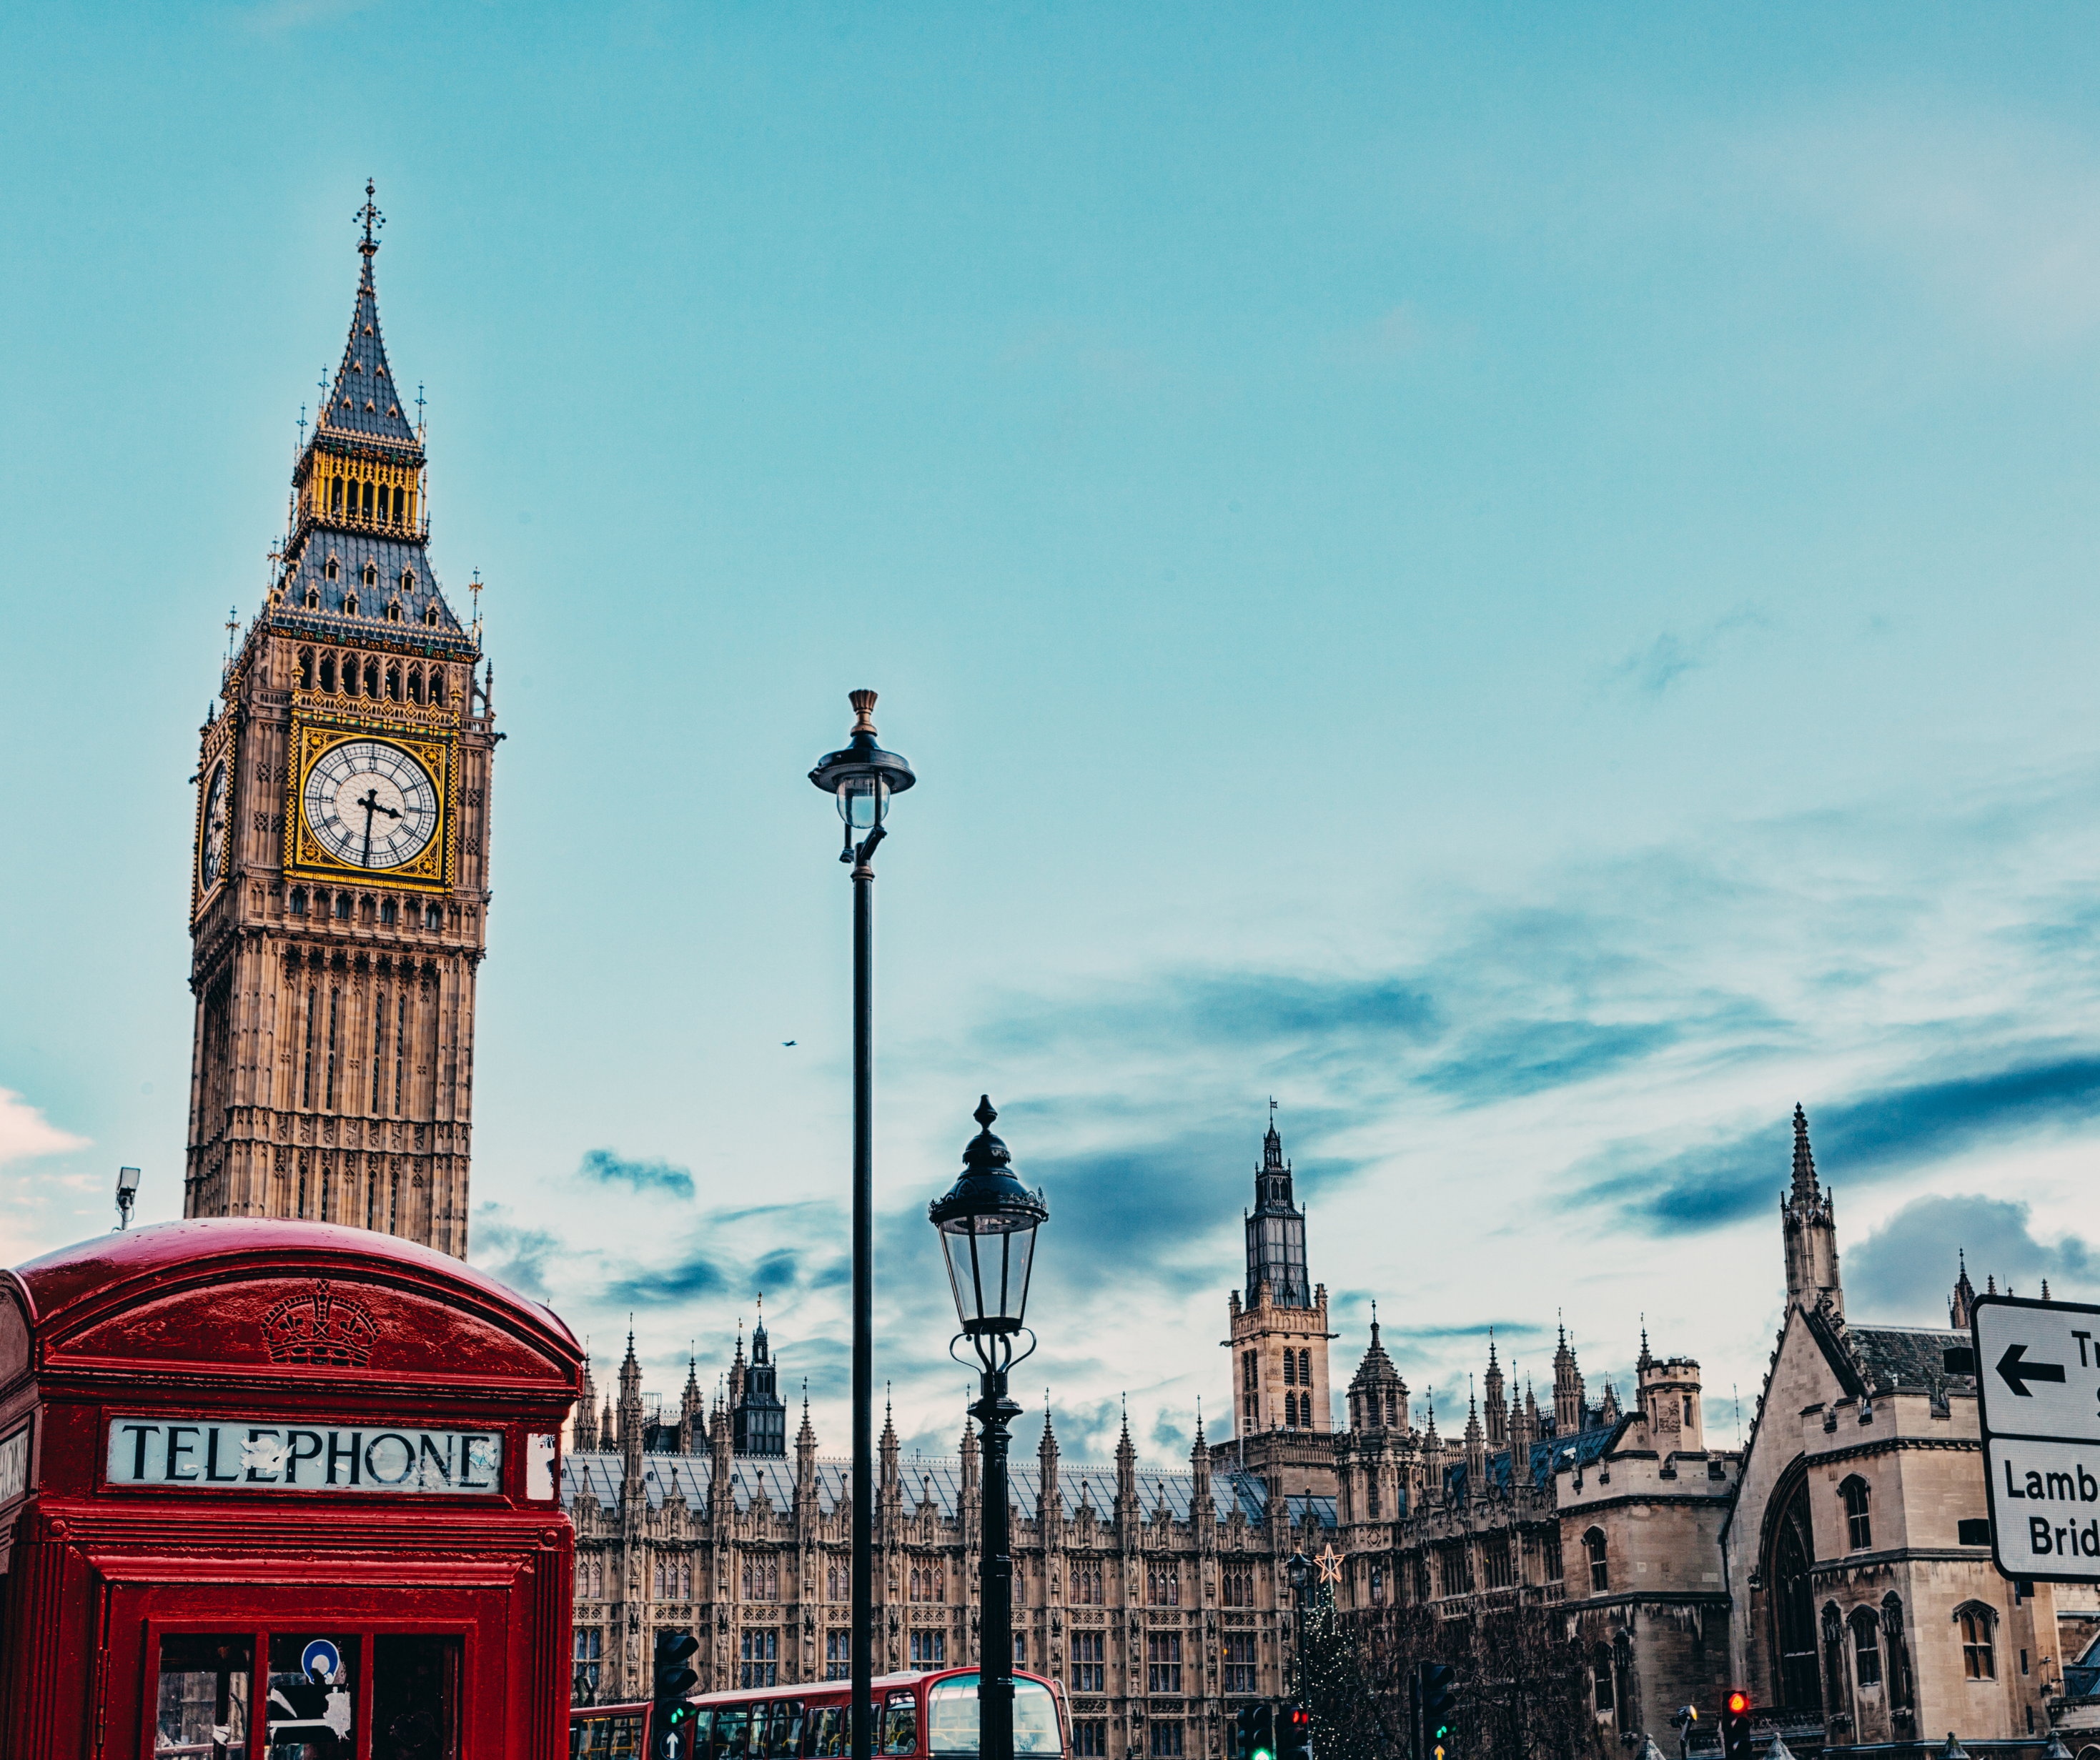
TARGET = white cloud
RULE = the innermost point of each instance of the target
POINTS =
(26, 1133)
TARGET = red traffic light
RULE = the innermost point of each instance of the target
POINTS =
(1298, 1717)
(1739, 1703)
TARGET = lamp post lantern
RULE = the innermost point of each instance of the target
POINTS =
(987, 1223)
(863, 777)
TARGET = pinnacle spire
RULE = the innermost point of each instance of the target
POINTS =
(1804, 1157)
(365, 402)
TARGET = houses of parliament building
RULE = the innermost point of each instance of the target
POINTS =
(1836, 1565)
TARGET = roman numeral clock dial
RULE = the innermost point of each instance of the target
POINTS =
(370, 804)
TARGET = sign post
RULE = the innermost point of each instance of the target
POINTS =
(2038, 1385)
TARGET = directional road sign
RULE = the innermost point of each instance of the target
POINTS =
(2038, 1375)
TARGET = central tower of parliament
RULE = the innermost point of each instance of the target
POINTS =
(339, 893)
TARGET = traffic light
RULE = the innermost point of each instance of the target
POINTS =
(670, 1717)
(1255, 1732)
(1735, 1726)
(1436, 1687)
(1294, 1733)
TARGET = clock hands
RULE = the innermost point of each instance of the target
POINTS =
(371, 805)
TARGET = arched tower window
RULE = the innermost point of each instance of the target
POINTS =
(372, 678)
(1291, 1368)
(394, 684)
(1606, 1699)
(415, 685)
(1833, 1656)
(1902, 1696)
(328, 672)
(1290, 1411)
(1305, 1368)
(297, 903)
(1600, 1569)
(1866, 1647)
(1858, 1529)
(335, 499)
(306, 669)
(1979, 1624)
(349, 604)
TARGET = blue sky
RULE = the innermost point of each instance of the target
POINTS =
(1520, 579)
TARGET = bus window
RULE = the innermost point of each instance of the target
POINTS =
(900, 1725)
(951, 1718)
(606, 1738)
(732, 1723)
(828, 1742)
(784, 1731)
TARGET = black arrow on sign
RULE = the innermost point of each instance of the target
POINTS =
(2017, 1373)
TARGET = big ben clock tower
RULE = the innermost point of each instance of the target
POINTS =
(340, 890)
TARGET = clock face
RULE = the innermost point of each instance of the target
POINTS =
(211, 857)
(371, 804)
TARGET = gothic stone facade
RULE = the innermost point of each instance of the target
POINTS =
(340, 885)
(1835, 1566)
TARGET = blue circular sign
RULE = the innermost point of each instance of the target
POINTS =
(320, 1658)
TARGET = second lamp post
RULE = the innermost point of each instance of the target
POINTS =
(988, 1222)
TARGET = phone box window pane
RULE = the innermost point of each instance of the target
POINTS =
(313, 1692)
(201, 1708)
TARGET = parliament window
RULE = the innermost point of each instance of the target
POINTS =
(1236, 1585)
(590, 1652)
(1866, 1648)
(1239, 1662)
(1291, 1368)
(1371, 1493)
(1290, 1409)
(1090, 1738)
(1978, 1661)
(1163, 1585)
(1086, 1586)
(1377, 1587)
(1163, 1658)
(1089, 1671)
(838, 1656)
(1601, 1572)
(1858, 1530)
(759, 1663)
(1166, 1735)
(1602, 1676)
(929, 1649)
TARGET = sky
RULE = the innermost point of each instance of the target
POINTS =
(1518, 579)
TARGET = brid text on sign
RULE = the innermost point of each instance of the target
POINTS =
(249, 1454)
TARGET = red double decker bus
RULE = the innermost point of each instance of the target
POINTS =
(921, 1716)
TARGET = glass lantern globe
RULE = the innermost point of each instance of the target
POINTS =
(987, 1224)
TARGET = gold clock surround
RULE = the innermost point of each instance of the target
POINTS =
(316, 731)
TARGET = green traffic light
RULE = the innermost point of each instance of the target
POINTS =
(1261, 1753)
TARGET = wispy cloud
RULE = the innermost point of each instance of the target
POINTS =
(604, 1167)
(25, 1133)
(1651, 669)
(1874, 1137)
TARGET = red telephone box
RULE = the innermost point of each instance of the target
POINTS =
(279, 1491)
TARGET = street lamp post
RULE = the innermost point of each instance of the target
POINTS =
(1300, 1569)
(987, 1223)
(862, 778)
